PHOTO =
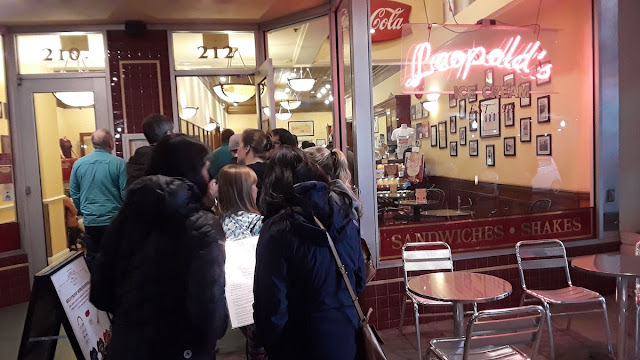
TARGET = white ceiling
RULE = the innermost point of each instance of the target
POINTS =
(45, 12)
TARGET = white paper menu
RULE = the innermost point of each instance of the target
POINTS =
(239, 270)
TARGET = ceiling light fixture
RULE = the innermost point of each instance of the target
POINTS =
(302, 84)
(235, 92)
(328, 86)
(266, 111)
(326, 101)
(76, 98)
(291, 104)
(318, 95)
(188, 112)
(323, 90)
(283, 116)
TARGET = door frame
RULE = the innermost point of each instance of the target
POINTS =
(29, 188)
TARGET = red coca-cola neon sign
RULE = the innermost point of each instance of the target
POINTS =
(522, 58)
(387, 18)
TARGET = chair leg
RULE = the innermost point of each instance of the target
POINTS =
(606, 325)
(475, 308)
(404, 304)
(417, 315)
(552, 351)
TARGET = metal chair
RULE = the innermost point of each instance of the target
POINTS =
(491, 334)
(436, 194)
(540, 206)
(427, 256)
(547, 254)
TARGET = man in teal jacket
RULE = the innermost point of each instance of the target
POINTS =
(220, 156)
(97, 187)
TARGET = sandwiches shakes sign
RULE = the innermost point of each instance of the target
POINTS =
(387, 18)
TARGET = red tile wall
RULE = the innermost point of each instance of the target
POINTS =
(386, 299)
(14, 280)
(141, 91)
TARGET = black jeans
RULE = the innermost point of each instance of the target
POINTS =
(92, 238)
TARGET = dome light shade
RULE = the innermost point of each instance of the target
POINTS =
(302, 84)
(235, 93)
(291, 104)
(283, 116)
(266, 111)
(188, 112)
(76, 98)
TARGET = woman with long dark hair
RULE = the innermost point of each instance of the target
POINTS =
(302, 307)
(160, 270)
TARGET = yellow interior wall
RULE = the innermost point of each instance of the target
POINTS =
(320, 122)
(572, 80)
(72, 122)
(241, 122)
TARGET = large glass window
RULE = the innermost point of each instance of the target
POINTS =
(303, 80)
(214, 50)
(60, 52)
(484, 133)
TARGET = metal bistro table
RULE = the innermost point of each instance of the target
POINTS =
(417, 206)
(459, 288)
(623, 268)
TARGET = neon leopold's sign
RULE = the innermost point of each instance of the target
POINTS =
(515, 56)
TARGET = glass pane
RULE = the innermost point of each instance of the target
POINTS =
(60, 52)
(484, 134)
(303, 78)
(214, 50)
(207, 103)
(64, 124)
(347, 99)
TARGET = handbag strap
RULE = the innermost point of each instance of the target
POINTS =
(354, 297)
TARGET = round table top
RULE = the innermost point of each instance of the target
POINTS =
(609, 264)
(447, 212)
(416, 203)
(460, 286)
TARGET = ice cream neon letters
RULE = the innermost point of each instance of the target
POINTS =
(523, 59)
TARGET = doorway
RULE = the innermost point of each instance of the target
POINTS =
(59, 116)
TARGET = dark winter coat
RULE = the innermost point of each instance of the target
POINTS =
(160, 272)
(138, 163)
(302, 307)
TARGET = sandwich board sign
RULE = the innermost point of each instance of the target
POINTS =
(60, 296)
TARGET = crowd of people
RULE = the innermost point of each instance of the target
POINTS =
(162, 220)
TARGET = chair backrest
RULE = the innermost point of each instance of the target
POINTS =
(541, 254)
(501, 327)
(436, 194)
(426, 256)
(540, 205)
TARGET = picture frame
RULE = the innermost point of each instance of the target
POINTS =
(413, 112)
(462, 109)
(509, 114)
(545, 81)
(419, 133)
(488, 77)
(509, 79)
(525, 129)
(473, 96)
(5, 107)
(131, 143)
(526, 102)
(453, 148)
(442, 135)
(321, 142)
(462, 136)
(5, 144)
(453, 124)
(490, 155)
(510, 146)
(473, 120)
(1, 112)
(473, 148)
(544, 109)
(301, 128)
(543, 145)
(452, 101)
(418, 111)
(490, 118)
(434, 135)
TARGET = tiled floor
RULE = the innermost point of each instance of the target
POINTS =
(585, 340)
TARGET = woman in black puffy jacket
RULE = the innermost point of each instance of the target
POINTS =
(160, 270)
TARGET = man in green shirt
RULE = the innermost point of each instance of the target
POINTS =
(222, 155)
(97, 187)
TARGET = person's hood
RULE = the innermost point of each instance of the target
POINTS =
(356, 206)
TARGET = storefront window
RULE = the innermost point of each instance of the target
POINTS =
(214, 50)
(303, 78)
(484, 133)
(60, 52)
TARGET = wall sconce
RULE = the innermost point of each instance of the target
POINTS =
(188, 112)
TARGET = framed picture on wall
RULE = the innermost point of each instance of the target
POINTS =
(462, 134)
(473, 96)
(413, 113)
(5, 107)
(491, 155)
(301, 128)
(5, 144)
(1, 112)
(509, 79)
(509, 114)
(473, 120)
(525, 129)
(488, 77)
(419, 133)
(473, 148)
(418, 111)
(462, 109)
(452, 101)
(434, 135)
(544, 109)
(543, 145)
(453, 124)
(526, 102)
(490, 118)
(131, 143)
(453, 148)
(546, 81)
(510, 146)
(442, 135)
